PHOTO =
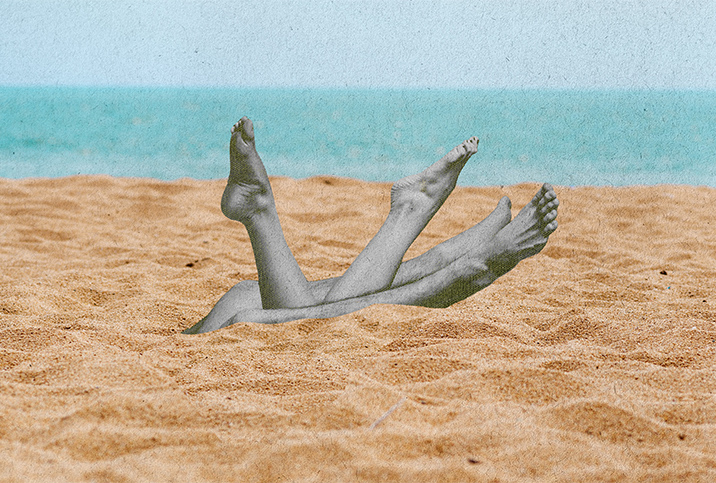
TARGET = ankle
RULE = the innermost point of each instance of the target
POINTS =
(256, 218)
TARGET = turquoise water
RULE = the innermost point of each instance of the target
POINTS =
(563, 137)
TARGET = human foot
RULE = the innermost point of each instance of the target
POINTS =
(526, 234)
(248, 191)
(425, 192)
(487, 228)
(413, 202)
(476, 236)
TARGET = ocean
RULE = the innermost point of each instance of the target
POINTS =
(566, 138)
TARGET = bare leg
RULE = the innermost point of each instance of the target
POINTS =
(527, 234)
(470, 272)
(245, 295)
(522, 238)
(482, 263)
(248, 198)
(448, 251)
(413, 202)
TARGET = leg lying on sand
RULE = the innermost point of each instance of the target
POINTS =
(470, 272)
(521, 238)
(245, 295)
(448, 251)
(248, 199)
(413, 202)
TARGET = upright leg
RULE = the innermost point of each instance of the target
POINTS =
(413, 202)
(248, 198)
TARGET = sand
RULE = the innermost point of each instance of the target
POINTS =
(593, 361)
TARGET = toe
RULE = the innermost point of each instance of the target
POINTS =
(475, 143)
(552, 205)
(547, 197)
(247, 129)
(549, 217)
(468, 147)
(550, 228)
(545, 194)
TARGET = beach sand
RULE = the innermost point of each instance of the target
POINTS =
(592, 361)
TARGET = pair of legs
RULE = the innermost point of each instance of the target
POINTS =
(449, 272)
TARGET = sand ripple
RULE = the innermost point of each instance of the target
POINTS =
(593, 361)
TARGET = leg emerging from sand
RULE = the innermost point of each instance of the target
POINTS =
(248, 198)
(448, 273)
(413, 202)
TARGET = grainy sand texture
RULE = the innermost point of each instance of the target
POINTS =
(592, 361)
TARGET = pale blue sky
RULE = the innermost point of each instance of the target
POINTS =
(389, 43)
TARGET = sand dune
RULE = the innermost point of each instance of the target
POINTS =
(593, 361)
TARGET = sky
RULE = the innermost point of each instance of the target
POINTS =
(592, 44)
